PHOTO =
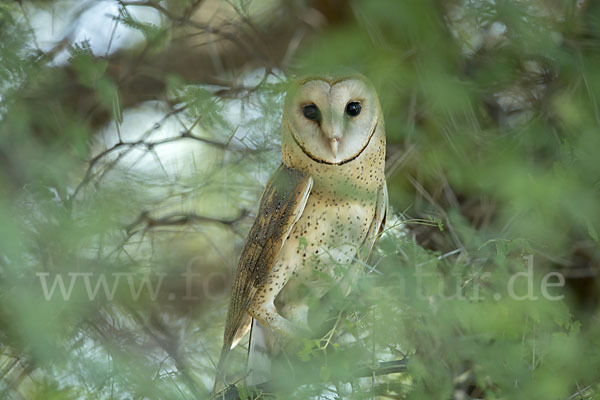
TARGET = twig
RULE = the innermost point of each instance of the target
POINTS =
(92, 163)
(383, 368)
(179, 219)
(185, 20)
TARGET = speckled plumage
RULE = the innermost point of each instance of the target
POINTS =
(323, 209)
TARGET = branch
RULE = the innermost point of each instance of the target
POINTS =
(384, 368)
(179, 219)
(141, 142)
(151, 4)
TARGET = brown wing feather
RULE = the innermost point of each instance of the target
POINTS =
(280, 207)
(377, 225)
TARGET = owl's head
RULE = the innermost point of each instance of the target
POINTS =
(332, 120)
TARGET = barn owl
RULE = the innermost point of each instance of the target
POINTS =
(319, 216)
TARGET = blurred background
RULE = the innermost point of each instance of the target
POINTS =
(136, 138)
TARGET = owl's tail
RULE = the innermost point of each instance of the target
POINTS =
(262, 341)
(220, 376)
(260, 350)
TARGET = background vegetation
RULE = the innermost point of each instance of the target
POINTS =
(136, 138)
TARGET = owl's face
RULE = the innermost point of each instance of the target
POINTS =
(332, 120)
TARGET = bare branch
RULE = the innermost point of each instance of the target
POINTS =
(180, 219)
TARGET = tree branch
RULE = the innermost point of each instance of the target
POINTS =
(262, 390)
(179, 219)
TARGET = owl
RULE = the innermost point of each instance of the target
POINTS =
(318, 219)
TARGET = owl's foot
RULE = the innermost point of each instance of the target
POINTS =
(283, 329)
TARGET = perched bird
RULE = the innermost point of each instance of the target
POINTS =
(321, 211)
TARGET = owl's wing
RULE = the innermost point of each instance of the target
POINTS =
(377, 225)
(281, 206)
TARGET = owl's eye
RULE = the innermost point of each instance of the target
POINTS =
(311, 112)
(353, 108)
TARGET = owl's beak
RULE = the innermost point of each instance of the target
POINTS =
(334, 145)
(332, 129)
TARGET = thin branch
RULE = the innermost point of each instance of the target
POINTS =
(179, 219)
(92, 163)
(151, 4)
(185, 20)
(383, 368)
(171, 350)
